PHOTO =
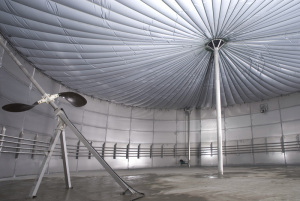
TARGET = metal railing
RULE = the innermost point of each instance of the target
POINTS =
(37, 147)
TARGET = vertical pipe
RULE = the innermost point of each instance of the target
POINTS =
(188, 112)
(189, 139)
(218, 107)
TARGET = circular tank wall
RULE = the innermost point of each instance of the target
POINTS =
(132, 137)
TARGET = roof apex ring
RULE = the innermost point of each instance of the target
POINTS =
(215, 43)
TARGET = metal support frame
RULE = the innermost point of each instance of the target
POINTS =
(59, 133)
(63, 145)
(218, 107)
(34, 146)
(66, 121)
(2, 138)
(84, 141)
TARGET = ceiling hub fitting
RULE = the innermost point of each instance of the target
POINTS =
(216, 43)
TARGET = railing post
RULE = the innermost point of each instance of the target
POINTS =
(90, 154)
(298, 140)
(211, 149)
(103, 150)
(162, 151)
(237, 147)
(252, 150)
(151, 150)
(175, 150)
(115, 150)
(199, 151)
(266, 144)
(282, 144)
(2, 138)
(19, 141)
(77, 149)
(127, 151)
(34, 146)
(139, 148)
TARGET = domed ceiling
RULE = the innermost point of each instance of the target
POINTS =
(152, 54)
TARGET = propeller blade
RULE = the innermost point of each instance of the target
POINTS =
(74, 98)
(18, 107)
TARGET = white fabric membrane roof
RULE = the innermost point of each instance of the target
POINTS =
(151, 53)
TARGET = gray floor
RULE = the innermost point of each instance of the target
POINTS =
(201, 184)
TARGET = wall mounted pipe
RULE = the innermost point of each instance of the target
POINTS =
(188, 113)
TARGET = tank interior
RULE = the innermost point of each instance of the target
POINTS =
(149, 100)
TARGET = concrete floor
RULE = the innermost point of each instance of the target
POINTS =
(176, 184)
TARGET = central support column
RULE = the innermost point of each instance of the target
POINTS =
(218, 107)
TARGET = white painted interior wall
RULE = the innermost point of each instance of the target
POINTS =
(101, 121)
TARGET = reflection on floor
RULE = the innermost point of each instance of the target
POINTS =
(176, 184)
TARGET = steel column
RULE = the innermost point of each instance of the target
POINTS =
(64, 152)
(218, 107)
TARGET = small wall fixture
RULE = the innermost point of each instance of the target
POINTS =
(263, 108)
